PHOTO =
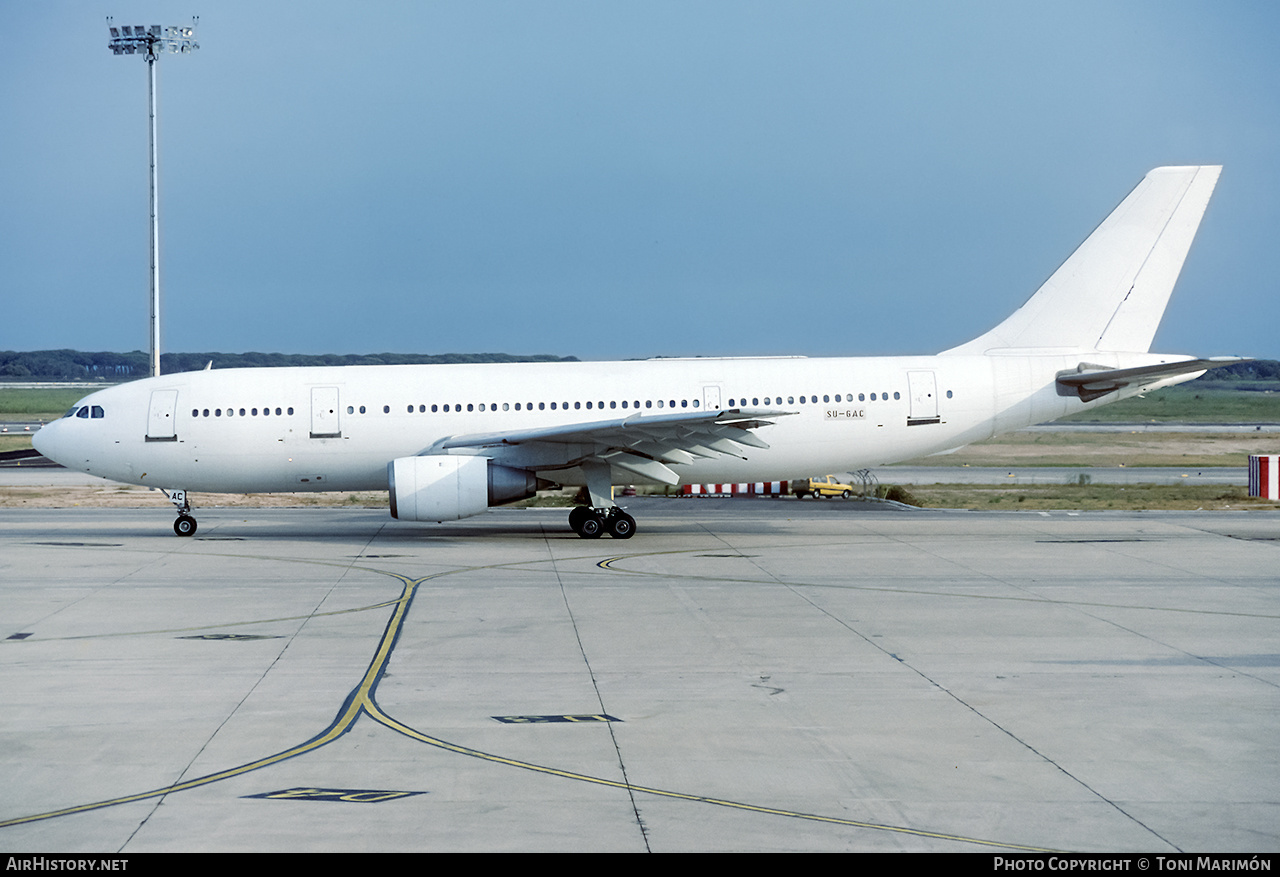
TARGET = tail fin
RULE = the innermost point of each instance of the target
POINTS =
(1112, 292)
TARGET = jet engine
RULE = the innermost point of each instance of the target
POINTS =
(444, 487)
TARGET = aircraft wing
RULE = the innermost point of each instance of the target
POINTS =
(641, 444)
(1090, 382)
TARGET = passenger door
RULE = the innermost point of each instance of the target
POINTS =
(325, 422)
(160, 416)
(923, 390)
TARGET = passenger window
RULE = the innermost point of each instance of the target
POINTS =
(897, 395)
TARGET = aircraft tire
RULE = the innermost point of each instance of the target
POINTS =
(622, 526)
(185, 525)
(577, 516)
(592, 527)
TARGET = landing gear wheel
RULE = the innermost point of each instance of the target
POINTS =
(577, 516)
(592, 526)
(622, 526)
(185, 525)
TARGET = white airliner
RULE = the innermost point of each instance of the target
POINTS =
(448, 441)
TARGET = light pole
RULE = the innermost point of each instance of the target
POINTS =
(153, 41)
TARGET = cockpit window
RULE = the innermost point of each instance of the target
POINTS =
(72, 412)
(97, 413)
(83, 412)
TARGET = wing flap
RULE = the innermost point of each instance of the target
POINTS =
(642, 445)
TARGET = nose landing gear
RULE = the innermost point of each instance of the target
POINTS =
(185, 525)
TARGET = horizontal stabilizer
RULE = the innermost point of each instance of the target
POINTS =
(1090, 382)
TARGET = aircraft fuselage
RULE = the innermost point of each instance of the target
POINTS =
(314, 429)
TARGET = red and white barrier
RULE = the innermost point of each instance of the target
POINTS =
(1264, 476)
(757, 488)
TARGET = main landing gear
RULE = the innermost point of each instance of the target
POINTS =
(600, 516)
(592, 523)
(185, 525)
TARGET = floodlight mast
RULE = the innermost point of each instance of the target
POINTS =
(153, 41)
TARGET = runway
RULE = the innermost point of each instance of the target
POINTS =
(742, 675)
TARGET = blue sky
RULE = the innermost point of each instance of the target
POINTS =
(618, 180)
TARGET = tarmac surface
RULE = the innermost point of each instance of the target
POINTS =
(741, 675)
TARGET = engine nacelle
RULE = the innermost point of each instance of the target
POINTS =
(444, 487)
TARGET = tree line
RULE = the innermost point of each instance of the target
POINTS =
(70, 365)
(110, 366)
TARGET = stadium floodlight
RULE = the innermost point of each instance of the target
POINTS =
(152, 41)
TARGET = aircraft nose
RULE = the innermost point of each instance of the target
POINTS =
(46, 440)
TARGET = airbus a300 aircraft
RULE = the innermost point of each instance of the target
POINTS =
(448, 441)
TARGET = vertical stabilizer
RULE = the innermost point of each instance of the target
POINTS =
(1112, 292)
